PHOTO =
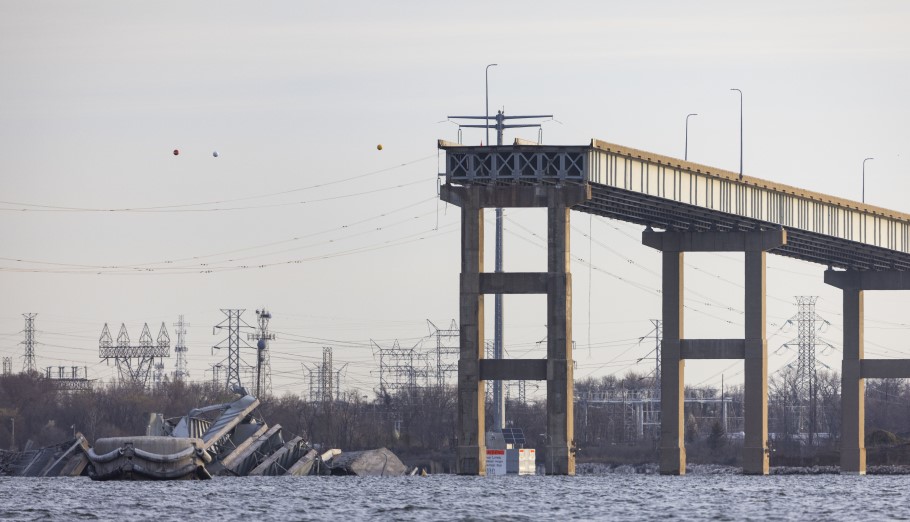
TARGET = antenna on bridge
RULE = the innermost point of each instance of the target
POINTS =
(500, 123)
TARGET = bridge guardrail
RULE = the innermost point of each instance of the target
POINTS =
(683, 182)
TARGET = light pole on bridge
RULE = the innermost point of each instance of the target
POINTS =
(486, 85)
(686, 157)
(740, 132)
(864, 177)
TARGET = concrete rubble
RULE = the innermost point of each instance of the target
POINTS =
(224, 440)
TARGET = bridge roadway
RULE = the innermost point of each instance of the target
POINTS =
(671, 194)
(697, 209)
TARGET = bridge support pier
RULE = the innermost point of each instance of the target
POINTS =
(675, 349)
(855, 367)
(556, 282)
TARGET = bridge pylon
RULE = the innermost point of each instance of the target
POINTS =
(753, 348)
(473, 368)
(856, 368)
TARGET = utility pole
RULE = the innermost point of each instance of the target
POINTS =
(28, 365)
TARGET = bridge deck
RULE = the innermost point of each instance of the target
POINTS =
(672, 194)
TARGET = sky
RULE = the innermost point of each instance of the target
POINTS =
(348, 246)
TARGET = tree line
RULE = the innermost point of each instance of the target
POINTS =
(613, 422)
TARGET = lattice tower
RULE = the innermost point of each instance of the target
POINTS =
(324, 380)
(28, 359)
(658, 332)
(180, 369)
(397, 369)
(134, 362)
(805, 389)
(447, 351)
(233, 323)
(7, 365)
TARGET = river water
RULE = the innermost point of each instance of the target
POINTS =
(446, 497)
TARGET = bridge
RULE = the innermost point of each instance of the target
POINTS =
(684, 207)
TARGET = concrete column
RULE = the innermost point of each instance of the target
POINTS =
(672, 369)
(560, 456)
(471, 450)
(755, 448)
(853, 387)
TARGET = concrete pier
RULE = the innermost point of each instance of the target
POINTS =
(556, 282)
(753, 349)
(855, 367)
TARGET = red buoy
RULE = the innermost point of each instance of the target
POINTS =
(176, 152)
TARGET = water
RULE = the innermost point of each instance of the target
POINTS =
(447, 497)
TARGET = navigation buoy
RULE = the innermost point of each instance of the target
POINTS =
(176, 152)
(379, 147)
(215, 154)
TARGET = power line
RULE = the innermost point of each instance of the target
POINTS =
(45, 207)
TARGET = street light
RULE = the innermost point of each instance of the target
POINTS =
(864, 177)
(486, 84)
(686, 157)
(740, 132)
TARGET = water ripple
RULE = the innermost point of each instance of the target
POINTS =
(445, 497)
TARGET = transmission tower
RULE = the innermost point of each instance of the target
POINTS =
(805, 390)
(658, 332)
(262, 338)
(447, 351)
(28, 364)
(324, 380)
(233, 323)
(181, 372)
(7, 365)
(400, 369)
(134, 362)
(325, 383)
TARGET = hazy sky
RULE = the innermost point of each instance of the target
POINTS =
(343, 243)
